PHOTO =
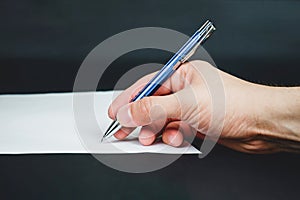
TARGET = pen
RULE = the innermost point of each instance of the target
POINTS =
(183, 54)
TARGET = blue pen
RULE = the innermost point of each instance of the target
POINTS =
(184, 53)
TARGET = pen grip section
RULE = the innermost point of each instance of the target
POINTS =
(148, 90)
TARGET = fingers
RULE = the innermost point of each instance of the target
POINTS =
(123, 133)
(149, 109)
(179, 80)
(176, 132)
(172, 135)
(144, 112)
(149, 133)
(128, 94)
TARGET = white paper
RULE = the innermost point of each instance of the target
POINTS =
(45, 123)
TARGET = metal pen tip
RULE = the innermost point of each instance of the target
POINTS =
(112, 129)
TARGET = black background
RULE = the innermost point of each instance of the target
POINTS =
(43, 43)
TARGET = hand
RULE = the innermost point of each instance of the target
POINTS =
(182, 106)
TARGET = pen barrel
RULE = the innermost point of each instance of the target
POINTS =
(153, 85)
(184, 53)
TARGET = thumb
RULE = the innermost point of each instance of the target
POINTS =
(148, 110)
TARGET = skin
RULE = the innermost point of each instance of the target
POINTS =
(258, 118)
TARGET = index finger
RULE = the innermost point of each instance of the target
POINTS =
(128, 94)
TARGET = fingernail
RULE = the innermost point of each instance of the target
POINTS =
(124, 116)
(173, 138)
(146, 137)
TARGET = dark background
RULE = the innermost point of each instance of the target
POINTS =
(43, 43)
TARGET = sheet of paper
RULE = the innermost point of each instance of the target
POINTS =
(45, 123)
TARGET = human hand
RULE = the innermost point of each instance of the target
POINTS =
(183, 106)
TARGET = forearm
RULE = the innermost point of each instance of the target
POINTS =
(279, 117)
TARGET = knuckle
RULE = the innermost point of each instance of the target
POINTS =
(143, 110)
(183, 70)
(145, 105)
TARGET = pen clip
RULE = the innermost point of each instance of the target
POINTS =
(208, 28)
